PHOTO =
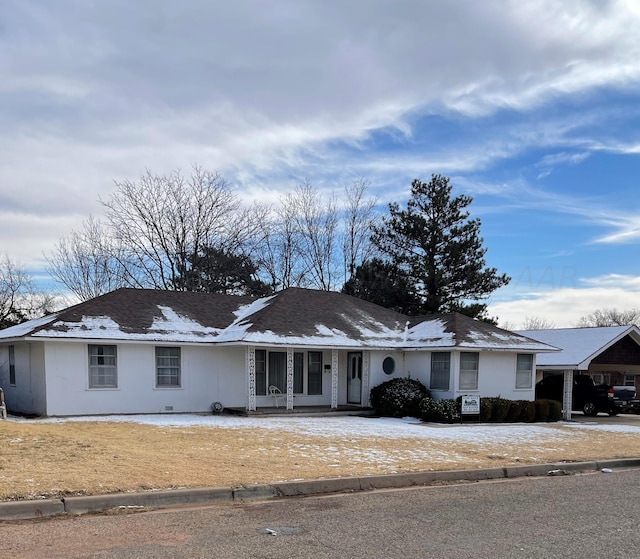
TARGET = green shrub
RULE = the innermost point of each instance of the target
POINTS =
(542, 410)
(398, 397)
(514, 414)
(485, 409)
(439, 411)
(528, 411)
(499, 409)
(555, 410)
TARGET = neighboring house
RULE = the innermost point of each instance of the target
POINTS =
(610, 355)
(151, 351)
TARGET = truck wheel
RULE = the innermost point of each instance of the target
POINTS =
(590, 409)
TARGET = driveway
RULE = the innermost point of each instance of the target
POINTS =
(631, 419)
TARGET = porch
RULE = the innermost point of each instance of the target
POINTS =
(303, 411)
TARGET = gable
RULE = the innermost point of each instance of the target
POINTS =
(624, 352)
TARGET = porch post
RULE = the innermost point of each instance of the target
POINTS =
(567, 395)
(334, 379)
(366, 365)
(251, 377)
(289, 378)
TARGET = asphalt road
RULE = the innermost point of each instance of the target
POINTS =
(588, 515)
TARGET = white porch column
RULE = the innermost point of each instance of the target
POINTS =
(567, 395)
(334, 379)
(251, 377)
(366, 366)
(289, 378)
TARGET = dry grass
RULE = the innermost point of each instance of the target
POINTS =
(57, 459)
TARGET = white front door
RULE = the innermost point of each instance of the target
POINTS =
(354, 379)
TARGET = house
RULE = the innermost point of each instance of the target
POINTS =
(152, 351)
(610, 355)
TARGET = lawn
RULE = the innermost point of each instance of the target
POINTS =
(55, 458)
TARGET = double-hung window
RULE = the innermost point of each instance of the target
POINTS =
(168, 373)
(440, 370)
(524, 371)
(103, 369)
(469, 370)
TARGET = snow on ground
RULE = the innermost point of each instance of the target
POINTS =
(350, 426)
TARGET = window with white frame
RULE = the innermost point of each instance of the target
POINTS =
(629, 380)
(12, 365)
(440, 370)
(469, 370)
(103, 369)
(168, 370)
(524, 371)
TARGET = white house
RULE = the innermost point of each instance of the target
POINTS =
(152, 351)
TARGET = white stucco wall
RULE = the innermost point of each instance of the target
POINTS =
(496, 374)
(208, 375)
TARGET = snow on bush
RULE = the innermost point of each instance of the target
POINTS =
(398, 397)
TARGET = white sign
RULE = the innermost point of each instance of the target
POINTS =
(471, 404)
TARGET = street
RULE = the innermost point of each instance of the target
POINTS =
(564, 516)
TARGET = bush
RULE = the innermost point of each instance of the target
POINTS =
(499, 409)
(514, 414)
(528, 411)
(485, 409)
(398, 397)
(439, 411)
(555, 410)
(542, 410)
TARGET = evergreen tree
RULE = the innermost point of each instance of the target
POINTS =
(440, 249)
(384, 284)
(216, 270)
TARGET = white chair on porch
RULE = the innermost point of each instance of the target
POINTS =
(277, 395)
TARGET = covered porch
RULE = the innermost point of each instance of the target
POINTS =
(304, 380)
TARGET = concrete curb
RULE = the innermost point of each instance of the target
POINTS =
(24, 510)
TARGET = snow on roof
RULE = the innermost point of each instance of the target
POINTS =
(298, 317)
(578, 345)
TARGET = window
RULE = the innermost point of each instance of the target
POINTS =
(12, 365)
(388, 365)
(103, 371)
(168, 367)
(469, 370)
(629, 380)
(440, 367)
(524, 370)
(261, 372)
(271, 370)
(298, 373)
(314, 373)
(278, 369)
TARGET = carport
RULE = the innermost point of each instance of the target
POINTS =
(606, 354)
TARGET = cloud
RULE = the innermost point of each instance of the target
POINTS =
(566, 305)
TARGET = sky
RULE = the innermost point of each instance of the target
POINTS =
(531, 108)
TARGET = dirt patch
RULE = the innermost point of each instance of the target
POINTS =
(60, 459)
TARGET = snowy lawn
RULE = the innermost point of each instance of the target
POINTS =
(91, 455)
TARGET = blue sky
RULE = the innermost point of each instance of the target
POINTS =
(533, 110)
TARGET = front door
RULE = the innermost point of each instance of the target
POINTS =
(354, 379)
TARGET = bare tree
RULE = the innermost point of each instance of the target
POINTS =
(279, 256)
(19, 299)
(316, 223)
(611, 317)
(358, 221)
(161, 223)
(537, 323)
(87, 262)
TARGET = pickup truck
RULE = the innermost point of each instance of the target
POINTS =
(624, 397)
(587, 397)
